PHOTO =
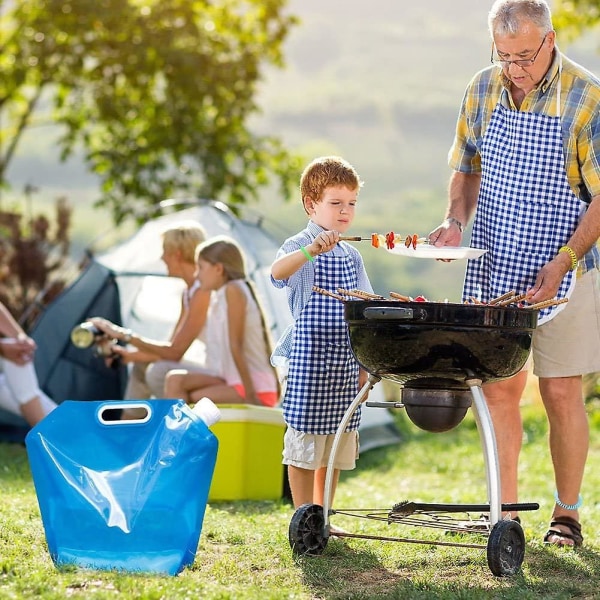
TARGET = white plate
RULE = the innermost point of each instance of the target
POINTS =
(427, 251)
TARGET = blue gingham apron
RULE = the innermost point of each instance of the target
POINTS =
(526, 209)
(323, 374)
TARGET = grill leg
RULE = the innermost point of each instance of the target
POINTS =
(490, 452)
(360, 397)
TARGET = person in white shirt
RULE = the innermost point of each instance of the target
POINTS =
(153, 359)
(20, 392)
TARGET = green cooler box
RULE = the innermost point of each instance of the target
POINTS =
(249, 459)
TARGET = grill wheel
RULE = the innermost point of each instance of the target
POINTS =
(506, 548)
(306, 530)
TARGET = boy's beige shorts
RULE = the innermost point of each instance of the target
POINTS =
(311, 451)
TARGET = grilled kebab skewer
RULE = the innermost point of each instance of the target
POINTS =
(389, 240)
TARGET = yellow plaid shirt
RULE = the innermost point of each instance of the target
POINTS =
(580, 120)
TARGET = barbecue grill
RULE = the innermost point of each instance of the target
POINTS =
(440, 354)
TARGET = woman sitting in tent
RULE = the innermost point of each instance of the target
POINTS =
(20, 392)
(153, 359)
(238, 369)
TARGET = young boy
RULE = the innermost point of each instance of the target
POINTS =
(323, 376)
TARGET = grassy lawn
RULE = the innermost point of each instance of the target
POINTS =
(244, 552)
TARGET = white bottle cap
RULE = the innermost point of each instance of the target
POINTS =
(208, 411)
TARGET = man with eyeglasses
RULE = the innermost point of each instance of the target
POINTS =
(526, 163)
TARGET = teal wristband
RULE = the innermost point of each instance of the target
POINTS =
(306, 253)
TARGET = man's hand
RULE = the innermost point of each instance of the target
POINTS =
(448, 233)
(547, 281)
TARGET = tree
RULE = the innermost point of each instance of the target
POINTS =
(159, 93)
(572, 17)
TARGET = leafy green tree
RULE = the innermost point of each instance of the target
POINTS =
(159, 93)
(573, 17)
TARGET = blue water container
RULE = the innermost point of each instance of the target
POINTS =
(122, 494)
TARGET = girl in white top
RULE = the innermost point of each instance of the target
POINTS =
(237, 342)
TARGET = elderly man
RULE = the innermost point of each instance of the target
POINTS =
(526, 164)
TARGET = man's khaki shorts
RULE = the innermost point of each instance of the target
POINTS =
(311, 451)
(569, 344)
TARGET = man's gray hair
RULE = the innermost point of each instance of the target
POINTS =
(506, 17)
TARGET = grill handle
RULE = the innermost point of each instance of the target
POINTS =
(391, 313)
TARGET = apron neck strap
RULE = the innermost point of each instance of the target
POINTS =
(559, 86)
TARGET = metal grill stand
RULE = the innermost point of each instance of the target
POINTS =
(310, 526)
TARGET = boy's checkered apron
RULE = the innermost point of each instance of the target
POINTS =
(323, 373)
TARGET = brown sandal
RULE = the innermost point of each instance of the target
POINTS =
(573, 533)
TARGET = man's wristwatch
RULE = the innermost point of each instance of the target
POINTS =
(456, 222)
(451, 220)
(127, 335)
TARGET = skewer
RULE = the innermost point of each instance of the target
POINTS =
(369, 295)
(512, 300)
(503, 297)
(546, 303)
(400, 297)
(360, 294)
(475, 300)
(357, 238)
(327, 293)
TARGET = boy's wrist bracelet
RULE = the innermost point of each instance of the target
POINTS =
(307, 254)
(572, 254)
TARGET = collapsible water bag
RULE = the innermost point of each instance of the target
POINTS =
(122, 494)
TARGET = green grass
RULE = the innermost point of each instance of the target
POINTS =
(244, 552)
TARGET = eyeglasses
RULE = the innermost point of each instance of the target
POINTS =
(522, 62)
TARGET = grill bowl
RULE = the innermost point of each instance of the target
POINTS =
(433, 345)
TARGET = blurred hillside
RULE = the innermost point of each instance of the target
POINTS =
(379, 83)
